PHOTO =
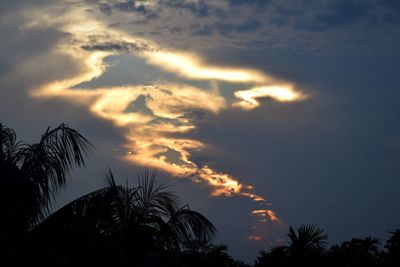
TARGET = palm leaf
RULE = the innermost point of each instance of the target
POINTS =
(190, 226)
(48, 163)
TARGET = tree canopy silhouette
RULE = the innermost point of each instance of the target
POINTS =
(30, 176)
(393, 249)
(356, 252)
(143, 225)
(306, 243)
(143, 222)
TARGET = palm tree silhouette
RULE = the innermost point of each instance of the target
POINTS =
(305, 246)
(393, 249)
(145, 222)
(308, 239)
(31, 174)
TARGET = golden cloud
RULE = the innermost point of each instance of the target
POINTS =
(281, 93)
(153, 139)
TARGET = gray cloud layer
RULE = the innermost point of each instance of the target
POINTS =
(337, 26)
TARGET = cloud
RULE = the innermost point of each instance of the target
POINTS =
(249, 98)
(155, 118)
(198, 8)
(266, 215)
(137, 7)
(390, 4)
(117, 46)
(191, 66)
(272, 146)
(311, 26)
(205, 30)
(250, 25)
(335, 14)
(391, 11)
(163, 136)
(150, 141)
(258, 3)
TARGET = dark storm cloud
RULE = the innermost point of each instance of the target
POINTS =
(205, 30)
(298, 25)
(195, 116)
(246, 26)
(119, 46)
(128, 7)
(199, 9)
(319, 16)
(258, 3)
(279, 21)
(392, 11)
(393, 5)
(336, 14)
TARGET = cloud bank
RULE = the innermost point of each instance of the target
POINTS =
(157, 116)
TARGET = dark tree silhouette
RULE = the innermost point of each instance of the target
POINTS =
(276, 257)
(306, 244)
(306, 248)
(208, 255)
(393, 249)
(30, 175)
(356, 252)
(308, 239)
(145, 224)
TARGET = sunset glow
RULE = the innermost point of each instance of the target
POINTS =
(247, 111)
(269, 214)
(190, 66)
(150, 139)
(283, 93)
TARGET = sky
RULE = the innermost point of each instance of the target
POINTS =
(259, 114)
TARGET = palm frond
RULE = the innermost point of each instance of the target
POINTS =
(93, 209)
(307, 237)
(154, 198)
(146, 213)
(189, 226)
(9, 147)
(48, 162)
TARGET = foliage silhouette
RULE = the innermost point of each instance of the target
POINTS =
(356, 252)
(145, 223)
(306, 248)
(208, 255)
(30, 176)
(393, 249)
(308, 239)
(276, 257)
(305, 245)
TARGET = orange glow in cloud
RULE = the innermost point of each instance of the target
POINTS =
(282, 93)
(266, 213)
(224, 184)
(154, 138)
(255, 237)
(191, 66)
